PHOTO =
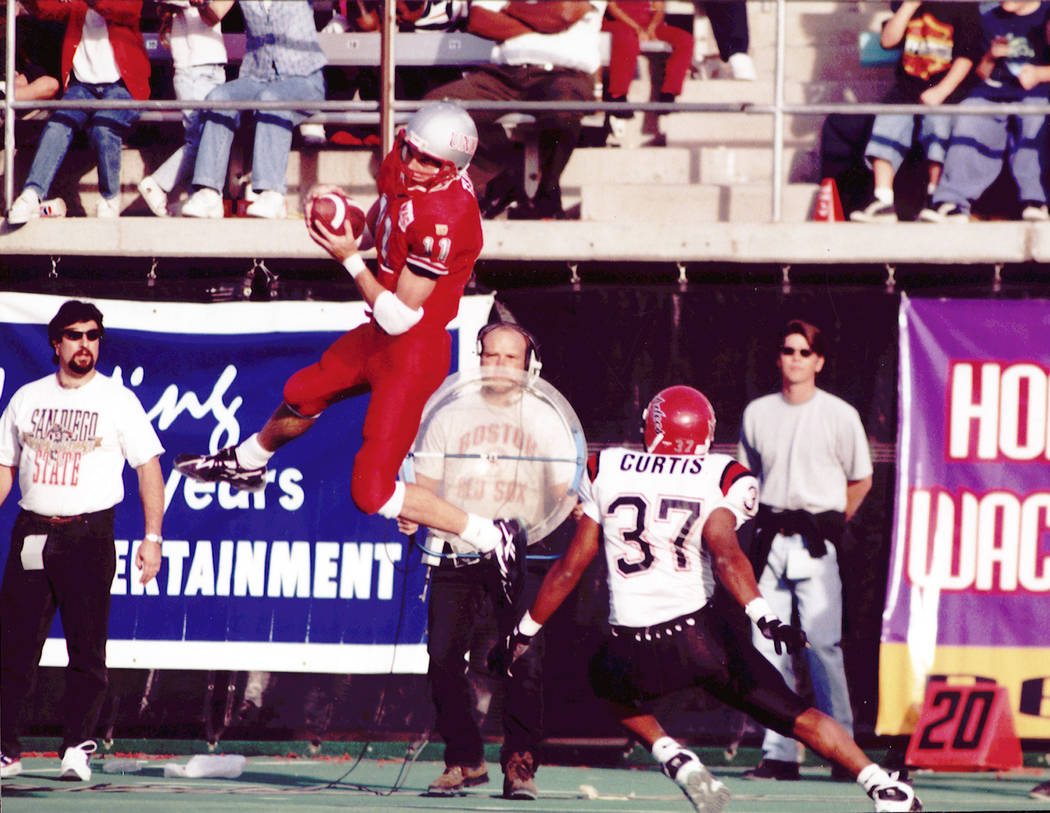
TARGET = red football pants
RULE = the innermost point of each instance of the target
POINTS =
(402, 372)
(624, 50)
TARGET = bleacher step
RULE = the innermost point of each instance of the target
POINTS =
(694, 203)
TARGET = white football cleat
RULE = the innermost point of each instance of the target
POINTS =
(75, 766)
(707, 794)
(9, 766)
(894, 797)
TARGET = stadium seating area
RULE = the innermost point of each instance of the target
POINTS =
(707, 195)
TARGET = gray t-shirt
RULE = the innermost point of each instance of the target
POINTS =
(804, 454)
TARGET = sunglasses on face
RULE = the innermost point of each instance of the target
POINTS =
(93, 335)
(790, 351)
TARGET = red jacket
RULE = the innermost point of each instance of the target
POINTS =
(122, 24)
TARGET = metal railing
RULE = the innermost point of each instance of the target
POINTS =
(388, 107)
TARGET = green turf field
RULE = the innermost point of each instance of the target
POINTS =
(324, 783)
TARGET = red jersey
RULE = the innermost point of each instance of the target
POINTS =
(433, 232)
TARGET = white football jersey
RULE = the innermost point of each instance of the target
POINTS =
(652, 509)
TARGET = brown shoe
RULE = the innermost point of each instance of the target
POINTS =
(456, 778)
(518, 776)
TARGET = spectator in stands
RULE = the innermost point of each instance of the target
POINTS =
(630, 23)
(103, 58)
(191, 29)
(283, 62)
(36, 74)
(1014, 66)
(546, 52)
(939, 45)
(728, 19)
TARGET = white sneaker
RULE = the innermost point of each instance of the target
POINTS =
(268, 204)
(204, 202)
(312, 133)
(155, 197)
(707, 794)
(742, 67)
(9, 766)
(108, 208)
(25, 207)
(1035, 212)
(75, 766)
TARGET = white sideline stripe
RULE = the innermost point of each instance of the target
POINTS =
(360, 659)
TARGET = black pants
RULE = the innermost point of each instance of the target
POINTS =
(458, 599)
(79, 563)
(559, 132)
(728, 20)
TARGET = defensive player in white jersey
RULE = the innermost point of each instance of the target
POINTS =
(668, 516)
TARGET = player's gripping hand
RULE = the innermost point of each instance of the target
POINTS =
(504, 654)
(782, 635)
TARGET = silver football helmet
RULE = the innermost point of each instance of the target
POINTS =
(444, 131)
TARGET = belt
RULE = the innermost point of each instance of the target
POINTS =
(667, 629)
(68, 519)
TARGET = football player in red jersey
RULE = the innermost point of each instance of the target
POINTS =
(668, 517)
(427, 232)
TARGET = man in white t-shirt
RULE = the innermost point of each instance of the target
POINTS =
(666, 518)
(546, 52)
(65, 437)
(810, 454)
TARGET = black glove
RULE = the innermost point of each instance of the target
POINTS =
(782, 635)
(503, 656)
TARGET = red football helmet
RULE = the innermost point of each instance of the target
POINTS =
(679, 420)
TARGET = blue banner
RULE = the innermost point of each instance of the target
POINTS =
(293, 578)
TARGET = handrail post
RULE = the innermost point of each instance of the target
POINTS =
(386, 69)
(778, 112)
(9, 113)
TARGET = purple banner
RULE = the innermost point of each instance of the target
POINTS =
(970, 567)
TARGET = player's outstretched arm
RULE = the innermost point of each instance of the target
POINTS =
(734, 572)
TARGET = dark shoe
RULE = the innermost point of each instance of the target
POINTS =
(456, 778)
(1040, 791)
(875, 212)
(537, 209)
(518, 777)
(944, 213)
(778, 769)
(221, 467)
(500, 192)
(707, 794)
(510, 558)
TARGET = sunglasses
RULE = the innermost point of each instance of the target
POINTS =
(790, 351)
(93, 335)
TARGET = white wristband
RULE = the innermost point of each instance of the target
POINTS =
(528, 625)
(354, 265)
(153, 538)
(758, 608)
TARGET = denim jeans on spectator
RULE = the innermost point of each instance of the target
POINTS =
(273, 130)
(892, 135)
(191, 84)
(106, 129)
(975, 155)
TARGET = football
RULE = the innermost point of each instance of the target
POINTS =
(335, 210)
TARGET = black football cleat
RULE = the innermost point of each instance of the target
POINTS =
(221, 467)
(510, 558)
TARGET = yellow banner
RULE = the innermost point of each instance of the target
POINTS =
(1025, 672)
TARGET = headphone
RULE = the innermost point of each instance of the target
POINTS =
(533, 365)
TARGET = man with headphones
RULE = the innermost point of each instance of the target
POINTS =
(499, 421)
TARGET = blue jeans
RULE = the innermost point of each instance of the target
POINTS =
(891, 138)
(273, 130)
(978, 145)
(192, 83)
(105, 128)
(793, 580)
